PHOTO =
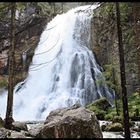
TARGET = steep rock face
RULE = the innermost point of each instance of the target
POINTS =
(104, 42)
(71, 122)
(27, 37)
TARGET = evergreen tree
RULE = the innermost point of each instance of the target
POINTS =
(123, 78)
(9, 111)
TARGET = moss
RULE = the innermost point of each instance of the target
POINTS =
(115, 127)
(99, 113)
(101, 103)
(100, 107)
(3, 83)
(104, 111)
(133, 108)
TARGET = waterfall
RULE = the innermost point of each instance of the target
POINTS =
(63, 69)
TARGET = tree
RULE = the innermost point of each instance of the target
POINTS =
(123, 78)
(9, 111)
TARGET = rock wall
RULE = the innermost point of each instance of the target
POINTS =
(27, 38)
(104, 43)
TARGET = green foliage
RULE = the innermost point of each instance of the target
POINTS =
(45, 8)
(118, 119)
(99, 113)
(4, 9)
(110, 76)
(103, 111)
(20, 5)
(3, 83)
(108, 117)
(107, 9)
(99, 107)
(126, 10)
(133, 107)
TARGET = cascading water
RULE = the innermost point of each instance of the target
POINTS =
(63, 70)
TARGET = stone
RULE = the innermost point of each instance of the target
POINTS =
(18, 126)
(4, 132)
(15, 134)
(35, 129)
(71, 122)
(114, 127)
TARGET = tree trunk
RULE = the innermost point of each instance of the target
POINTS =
(123, 78)
(9, 111)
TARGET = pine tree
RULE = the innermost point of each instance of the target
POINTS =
(123, 77)
(9, 111)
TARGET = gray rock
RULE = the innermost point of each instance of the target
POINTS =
(4, 132)
(18, 126)
(35, 129)
(71, 122)
(15, 134)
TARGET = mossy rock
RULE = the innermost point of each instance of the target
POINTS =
(101, 103)
(114, 127)
(100, 107)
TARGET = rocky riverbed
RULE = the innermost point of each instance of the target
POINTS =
(70, 122)
(135, 130)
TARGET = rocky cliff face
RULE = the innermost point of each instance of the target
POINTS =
(104, 44)
(27, 38)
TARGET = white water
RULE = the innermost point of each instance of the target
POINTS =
(63, 71)
(133, 134)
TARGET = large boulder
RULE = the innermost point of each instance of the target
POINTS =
(18, 126)
(71, 122)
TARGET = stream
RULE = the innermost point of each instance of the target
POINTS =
(106, 134)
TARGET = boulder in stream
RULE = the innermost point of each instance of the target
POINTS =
(71, 122)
